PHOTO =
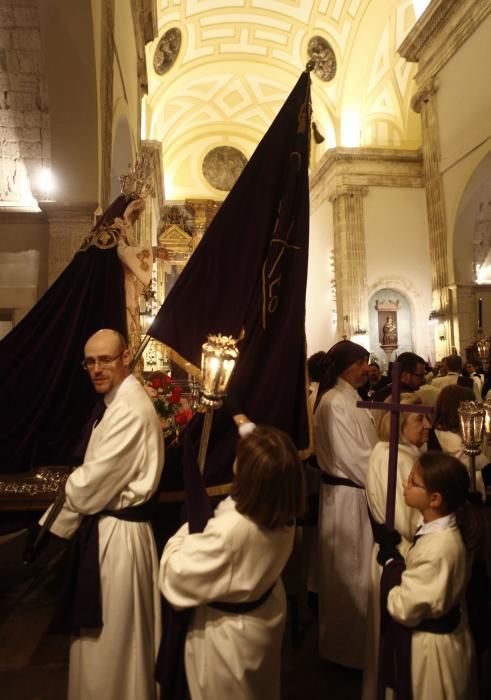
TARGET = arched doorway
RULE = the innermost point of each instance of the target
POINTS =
(472, 256)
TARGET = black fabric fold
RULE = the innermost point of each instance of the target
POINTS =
(394, 661)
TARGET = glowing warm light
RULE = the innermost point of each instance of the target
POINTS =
(46, 183)
(350, 129)
(420, 6)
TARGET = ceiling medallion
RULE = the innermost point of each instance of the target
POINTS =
(167, 51)
(222, 166)
(320, 51)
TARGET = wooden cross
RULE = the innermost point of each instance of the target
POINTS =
(395, 408)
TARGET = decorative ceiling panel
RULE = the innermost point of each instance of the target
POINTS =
(239, 60)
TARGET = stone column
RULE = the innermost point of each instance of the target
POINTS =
(68, 226)
(424, 102)
(350, 258)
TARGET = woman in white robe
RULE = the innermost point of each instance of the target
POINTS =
(345, 437)
(239, 556)
(413, 435)
(435, 579)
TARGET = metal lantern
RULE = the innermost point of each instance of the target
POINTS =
(482, 345)
(472, 418)
(487, 418)
(217, 364)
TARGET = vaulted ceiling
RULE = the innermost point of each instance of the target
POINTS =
(239, 60)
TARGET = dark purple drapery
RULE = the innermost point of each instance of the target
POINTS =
(248, 274)
(45, 395)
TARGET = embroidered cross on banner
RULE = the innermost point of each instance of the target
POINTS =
(395, 408)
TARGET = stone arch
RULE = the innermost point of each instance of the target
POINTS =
(472, 229)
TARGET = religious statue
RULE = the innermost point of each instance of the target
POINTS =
(389, 332)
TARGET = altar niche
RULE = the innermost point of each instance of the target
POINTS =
(390, 325)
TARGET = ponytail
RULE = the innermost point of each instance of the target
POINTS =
(469, 526)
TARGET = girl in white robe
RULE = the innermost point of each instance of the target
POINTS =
(413, 435)
(435, 578)
(237, 559)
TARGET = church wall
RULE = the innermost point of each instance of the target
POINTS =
(397, 254)
(464, 106)
(23, 264)
(67, 40)
(320, 305)
(125, 86)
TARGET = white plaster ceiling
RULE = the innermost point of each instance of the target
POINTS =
(239, 60)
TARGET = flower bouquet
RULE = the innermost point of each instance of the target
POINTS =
(172, 409)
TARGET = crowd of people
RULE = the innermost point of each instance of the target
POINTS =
(414, 574)
(427, 594)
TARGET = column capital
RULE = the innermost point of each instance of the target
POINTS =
(348, 191)
(425, 93)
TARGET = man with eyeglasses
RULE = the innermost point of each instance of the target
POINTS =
(106, 503)
(412, 376)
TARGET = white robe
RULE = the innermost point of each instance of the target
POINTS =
(121, 468)
(345, 436)
(406, 520)
(436, 575)
(452, 378)
(229, 655)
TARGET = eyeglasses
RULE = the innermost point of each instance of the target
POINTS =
(411, 483)
(104, 361)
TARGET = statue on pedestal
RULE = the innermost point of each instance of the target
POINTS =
(389, 332)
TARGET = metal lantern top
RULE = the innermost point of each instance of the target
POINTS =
(472, 418)
(482, 346)
(218, 360)
(487, 419)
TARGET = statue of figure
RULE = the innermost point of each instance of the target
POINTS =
(389, 332)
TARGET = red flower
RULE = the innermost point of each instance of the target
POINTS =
(160, 380)
(174, 398)
(183, 417)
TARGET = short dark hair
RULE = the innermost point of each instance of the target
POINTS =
(269, 483)
(454, 363)
(447, 406)
(409, 361)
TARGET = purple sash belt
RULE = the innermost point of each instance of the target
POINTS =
(81, 597)
(242, 608)
(339, 481)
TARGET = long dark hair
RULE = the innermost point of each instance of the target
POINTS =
(269, 484)
(447, 406)
(447, 476)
